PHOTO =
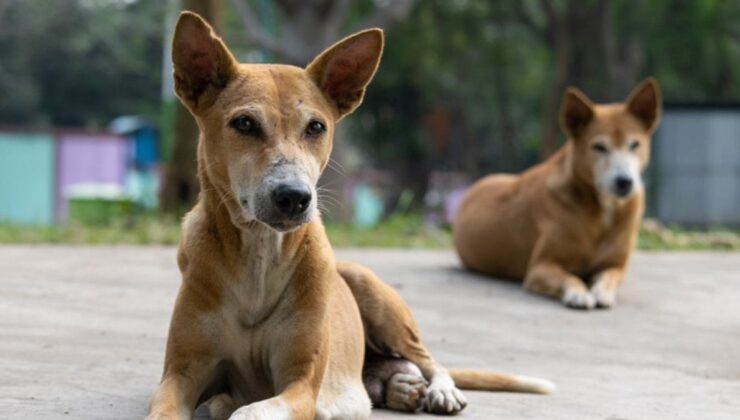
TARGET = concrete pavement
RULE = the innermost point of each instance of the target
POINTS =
(82, 334)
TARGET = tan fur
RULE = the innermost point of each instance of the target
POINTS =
(266, 323)
(555, 226)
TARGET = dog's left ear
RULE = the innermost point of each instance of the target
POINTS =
(576, 113)
(344, 70)
(645, 103)
(202, 63)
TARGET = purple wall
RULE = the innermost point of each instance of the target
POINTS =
(88, 158)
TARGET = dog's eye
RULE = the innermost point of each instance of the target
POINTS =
(245, 125)
(315, 128)
(634, 145)
(600, 148)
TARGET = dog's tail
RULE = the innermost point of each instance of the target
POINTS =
(477, 380)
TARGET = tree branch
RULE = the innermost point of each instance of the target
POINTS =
(385, 15)
(256, 34)
(553, 21)
(527, 20)
(337, 16)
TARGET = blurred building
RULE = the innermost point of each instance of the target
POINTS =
(695, 169)
(27, 177)
(48, 174)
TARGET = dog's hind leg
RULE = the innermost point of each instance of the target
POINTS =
(390, 329)
(393, 382)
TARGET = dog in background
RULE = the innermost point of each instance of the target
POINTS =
(567, 226)
(267, 325)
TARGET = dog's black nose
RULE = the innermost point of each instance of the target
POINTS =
(291, 199)
(623, 185)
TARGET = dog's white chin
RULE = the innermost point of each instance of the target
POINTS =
(611, 196)
(286, 226)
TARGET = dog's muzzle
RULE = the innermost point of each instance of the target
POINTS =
(285, 205)
(285, 198)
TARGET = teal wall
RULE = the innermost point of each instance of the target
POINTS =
(26, 178)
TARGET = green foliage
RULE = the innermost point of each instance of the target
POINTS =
(467, 62)
(691, 46)
(73, 62)
(486, 68)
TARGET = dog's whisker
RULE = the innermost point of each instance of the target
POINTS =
(324, 189)
(337, 164)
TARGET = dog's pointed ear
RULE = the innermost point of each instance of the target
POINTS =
(576, 112)
(202, 63)
(645, 103)
(344, 70)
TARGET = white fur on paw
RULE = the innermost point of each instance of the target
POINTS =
(274, 408)
(578, 297)
(605, 296)
(443, 397)
(405, 392)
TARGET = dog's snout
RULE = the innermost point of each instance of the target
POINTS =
(292, 199)
(623, 185)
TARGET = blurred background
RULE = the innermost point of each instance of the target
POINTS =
(94, 147)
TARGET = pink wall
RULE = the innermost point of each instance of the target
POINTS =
(88, 158)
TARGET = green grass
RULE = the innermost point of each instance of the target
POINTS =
(147, 230)
(655, 236)
(399, 231)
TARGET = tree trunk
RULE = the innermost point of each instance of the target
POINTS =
(585, 54)
(559, 40)
(181, 181)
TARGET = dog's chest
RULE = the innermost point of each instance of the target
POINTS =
(608, 247)
(262, 275)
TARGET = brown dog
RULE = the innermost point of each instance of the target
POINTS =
(266, 324)
(572, 220)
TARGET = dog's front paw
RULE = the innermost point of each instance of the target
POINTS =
(578, 297)
(405, 392)
(274, 408)
(443, 397)
(604, 293)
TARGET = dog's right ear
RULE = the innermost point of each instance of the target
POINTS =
(645, 103)
(576, 112)
(344, 70)
(202, 63)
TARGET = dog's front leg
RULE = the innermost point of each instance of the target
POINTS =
(297, 364)
(552, 280)
(604, 288)
(177, 395)
(298, 401)
(190, 362)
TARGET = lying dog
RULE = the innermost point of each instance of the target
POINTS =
(572, 220)
(266, 324)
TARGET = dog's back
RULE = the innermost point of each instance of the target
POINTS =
(496, 225)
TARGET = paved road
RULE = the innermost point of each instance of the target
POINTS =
(82, 333)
